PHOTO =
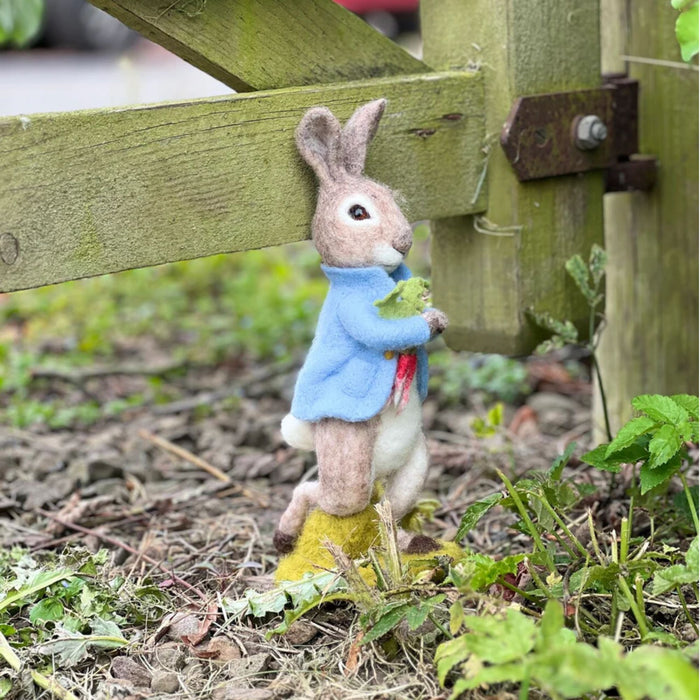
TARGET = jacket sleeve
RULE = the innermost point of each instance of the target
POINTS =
(362, 321)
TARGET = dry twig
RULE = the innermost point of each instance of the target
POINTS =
(185, 454)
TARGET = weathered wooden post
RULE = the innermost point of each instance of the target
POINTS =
(651, 342)
(490, 268)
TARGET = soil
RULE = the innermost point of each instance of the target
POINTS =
(188, 494)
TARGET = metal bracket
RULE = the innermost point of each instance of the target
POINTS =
(573, 132)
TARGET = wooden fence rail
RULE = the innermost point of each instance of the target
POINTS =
(99, 191)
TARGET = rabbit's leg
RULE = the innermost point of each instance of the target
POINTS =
(344, 451)
(304, 497)
(406, 483)
(403, 491)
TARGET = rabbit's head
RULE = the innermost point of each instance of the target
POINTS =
(357, 221)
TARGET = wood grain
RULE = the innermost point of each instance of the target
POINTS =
(650, 344)
(92, 192)
(487, 275)
(265, 44)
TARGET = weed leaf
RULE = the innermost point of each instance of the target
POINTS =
(572, 669)
(564, 331)
(478, 675)
(551, 624)
(669, 577)
(456, 617)
(38, 582)
(597, 458)
(664, 445)
(487, 571)
(687, 32)
(498, 641)
(658, 673)
(662, 409)
(629, 433)
(387, 622)
(650, 477)
(596, 262)
(71, 647)
(449, 654)
(561, 461)
(578, 271)
(688, 430)
(46, 609)
(275, 600)
(475, 512)
(417, 615)
(692, 558)
(689, 403)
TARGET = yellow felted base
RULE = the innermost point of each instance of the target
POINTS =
(355, 534)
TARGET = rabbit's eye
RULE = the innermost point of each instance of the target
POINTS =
(358, 212)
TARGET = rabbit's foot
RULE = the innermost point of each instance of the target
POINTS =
(283, 542)
(421, 544)
(410, 543)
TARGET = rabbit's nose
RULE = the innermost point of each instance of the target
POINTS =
(403, 244)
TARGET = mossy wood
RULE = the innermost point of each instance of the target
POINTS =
(92, 192)
(650, 343)
(265, 44)
(489, 270)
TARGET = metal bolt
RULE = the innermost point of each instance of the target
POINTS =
(590, 132)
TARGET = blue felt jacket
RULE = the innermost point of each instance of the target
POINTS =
(349, 371)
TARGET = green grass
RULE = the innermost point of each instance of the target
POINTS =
(236, 309)
(262, 303)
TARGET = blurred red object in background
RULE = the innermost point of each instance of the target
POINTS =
(362, 6)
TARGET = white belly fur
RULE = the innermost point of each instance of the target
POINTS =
(397, 436)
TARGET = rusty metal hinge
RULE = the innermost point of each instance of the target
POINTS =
(573, 132)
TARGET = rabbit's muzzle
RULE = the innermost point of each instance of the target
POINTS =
(403, 243)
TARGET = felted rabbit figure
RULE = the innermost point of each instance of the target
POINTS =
(342, 405)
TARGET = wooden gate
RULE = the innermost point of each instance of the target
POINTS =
(94, 192)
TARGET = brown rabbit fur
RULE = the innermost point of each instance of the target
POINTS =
(357, 225)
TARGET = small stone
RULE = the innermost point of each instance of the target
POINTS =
(248, 666)
(119, 689)
(218, 649)
(233, 691)
(170, 656)
(95, 468)
(125, 668)
(550, 401)
(300, 632)
(165, 682)
(688, 633)
(183, 625)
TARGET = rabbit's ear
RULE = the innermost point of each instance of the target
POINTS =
(318, 141)
(358, 133)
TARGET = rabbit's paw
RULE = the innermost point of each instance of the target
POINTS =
(283, 542)
(437, 321)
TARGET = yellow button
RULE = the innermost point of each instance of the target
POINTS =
(389, 355)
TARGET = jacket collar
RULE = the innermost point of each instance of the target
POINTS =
(352, 276)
